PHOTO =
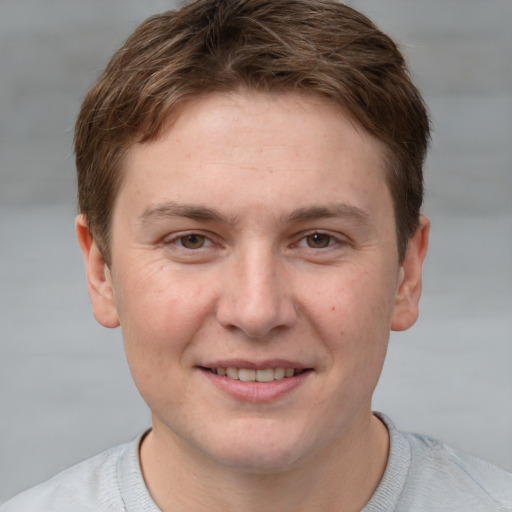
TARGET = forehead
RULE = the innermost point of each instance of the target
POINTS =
(258, 149)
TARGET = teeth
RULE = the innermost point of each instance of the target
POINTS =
(250, 375)
(279, 373)
(265, 375)
(289, 372)
(247, 375)
(232, 373)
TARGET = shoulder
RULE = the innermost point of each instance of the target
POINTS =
(425, 475)
(456, 473)
(91, 485)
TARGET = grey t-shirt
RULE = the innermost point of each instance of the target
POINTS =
(422, 475)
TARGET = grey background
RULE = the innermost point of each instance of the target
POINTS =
(65, 391)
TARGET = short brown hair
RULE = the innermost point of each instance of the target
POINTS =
(318, 46)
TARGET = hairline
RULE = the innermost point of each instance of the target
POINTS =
(142, 137)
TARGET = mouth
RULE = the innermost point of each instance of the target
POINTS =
(253, 375)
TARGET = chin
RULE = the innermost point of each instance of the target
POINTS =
(261, 450)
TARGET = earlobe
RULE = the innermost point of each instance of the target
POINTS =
(99, 280)
(408, 293)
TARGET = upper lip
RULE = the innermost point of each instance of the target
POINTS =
(255, 365)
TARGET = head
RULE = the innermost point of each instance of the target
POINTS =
(250, 184)
(320, 47)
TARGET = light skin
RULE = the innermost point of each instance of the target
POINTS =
(257, 233)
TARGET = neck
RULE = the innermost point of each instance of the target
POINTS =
(340, 478)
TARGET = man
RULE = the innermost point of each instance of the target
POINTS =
(250, 185)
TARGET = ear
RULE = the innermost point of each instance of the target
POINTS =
(407, 298)
(99, 280)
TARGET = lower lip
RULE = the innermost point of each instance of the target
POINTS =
(256, 391)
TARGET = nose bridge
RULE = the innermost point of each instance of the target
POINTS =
(256, 298)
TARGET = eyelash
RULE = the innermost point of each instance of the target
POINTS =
(301, 242)
(178, 239)
(304, 239)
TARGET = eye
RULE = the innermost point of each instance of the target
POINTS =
(318, 240)
(192, 246)
(193, 241)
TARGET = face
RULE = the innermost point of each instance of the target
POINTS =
(255, 277)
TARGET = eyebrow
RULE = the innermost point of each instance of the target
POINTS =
(204, 213)
(172, 209)
(337, 210)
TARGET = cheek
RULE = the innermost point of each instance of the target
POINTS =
(350, 295)
(160, 320)
(353, 314)
(160, 312)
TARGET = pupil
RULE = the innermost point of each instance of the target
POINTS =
(192, 241)
(318, 240)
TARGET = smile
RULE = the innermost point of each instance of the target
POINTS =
(252, 375)
(265, 383)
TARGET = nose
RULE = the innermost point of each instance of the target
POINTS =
(256, 297)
